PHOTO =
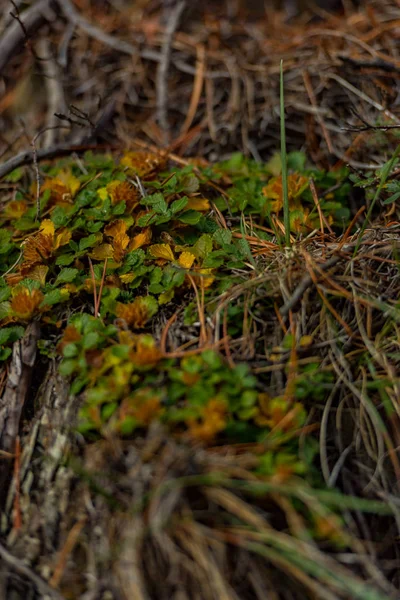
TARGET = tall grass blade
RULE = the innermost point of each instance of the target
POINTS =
(286, 218)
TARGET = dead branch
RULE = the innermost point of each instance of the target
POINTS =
(303, 285)
(27, 157)
(17, 565)
(73, 16)
(16, 35)
(162, 72)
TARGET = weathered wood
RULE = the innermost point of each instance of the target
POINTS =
(13, 400)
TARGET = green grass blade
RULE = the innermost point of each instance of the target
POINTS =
(385, 172)
(286, 218)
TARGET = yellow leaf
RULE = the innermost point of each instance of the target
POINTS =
(306, 340)
(70, 181)
(161, 251)
(205, 278)
(102, 193)
(102, 252)
(127, 277)
(62, 238)
(198, 204)
(39, 273)
(186, 260)
(47, 227)
(15, 209)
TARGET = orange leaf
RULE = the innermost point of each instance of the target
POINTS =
(123, 191)
(142, 163)
(25, 302)
(141, 239)
(15, 209)
(37, 248)
(115, 227)
(134, 314)
(120, 244)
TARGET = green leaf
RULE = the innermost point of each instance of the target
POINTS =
(178, 205)
(135, 258)
(119, 208)
(391, 199)
(5, 353)
(70, 350)
(88, 242)
(55, 297)
(66, 276)
(156, 288)
(189, 184)
(156, 202)
(5, 293)
(214, 259)
(5, 308)
(149, 303)
(94, 226)
(67, 367)
(203, 246)
(15, 175)
(11, 334)
(65, 259)
(59, 217)
(108, 410)
(222, 236)
(190, 217)
(146, 220)
(156, 275)
(5, 241)
(91, 340)
(296, 161)
(25, 223)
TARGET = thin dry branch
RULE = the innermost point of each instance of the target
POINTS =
(17, 565)
(15, 36)
(27, 157)
(162, 72)
(69, 11)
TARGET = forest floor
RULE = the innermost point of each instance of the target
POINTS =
(199, 341)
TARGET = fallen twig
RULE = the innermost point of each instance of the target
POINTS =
(42, 587)
(16, 34)
(70, 13)
(162, 72)
(303, 285)
(27, 157)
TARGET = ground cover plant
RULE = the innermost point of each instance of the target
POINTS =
(199, 350)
